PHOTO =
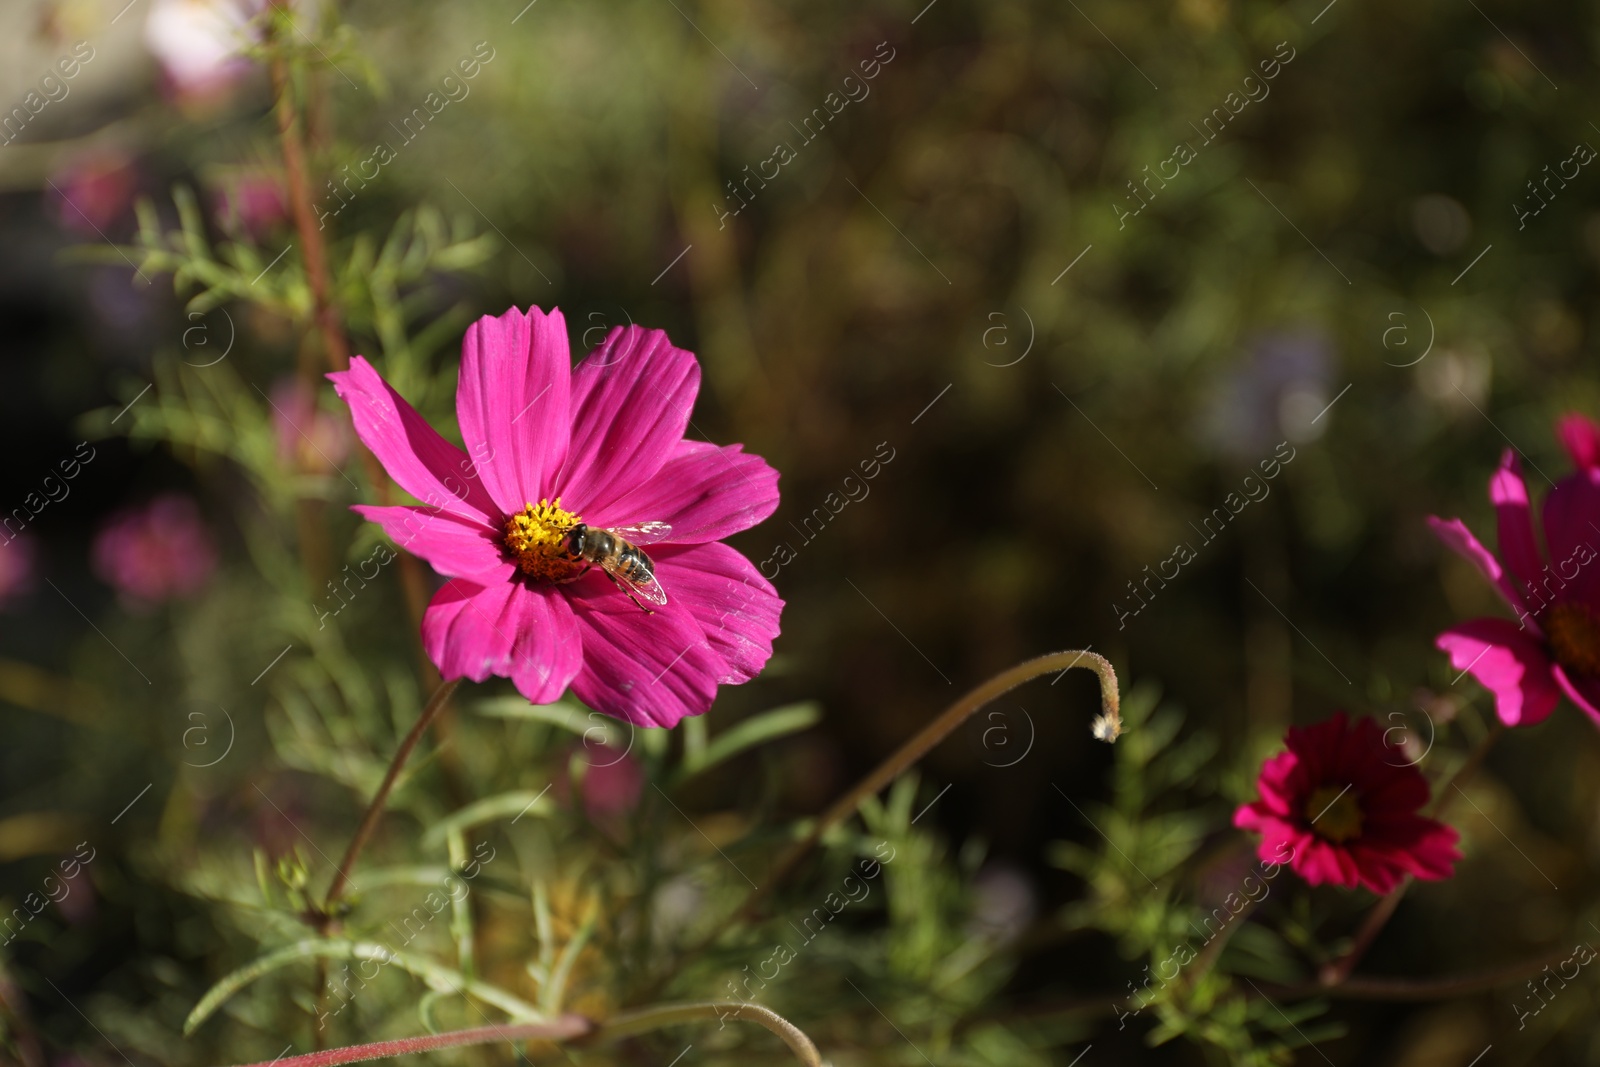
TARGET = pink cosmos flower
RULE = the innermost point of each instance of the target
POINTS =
(156, 552)
(1554, 646)
(554, 446)
(1341, 805)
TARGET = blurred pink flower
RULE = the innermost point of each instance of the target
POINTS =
(93, 191)
(1554, 646)
(310, 439)
(1337, 808)
(200, 44)
(558, 452)
(17, 562)
(613, 781)
(251, 202)
(156, 552)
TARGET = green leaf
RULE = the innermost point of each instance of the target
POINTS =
(515, 804)
(435, 974)
(592, 726)
(756, 730)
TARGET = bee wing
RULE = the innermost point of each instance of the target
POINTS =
(650, 589)
(644, 533)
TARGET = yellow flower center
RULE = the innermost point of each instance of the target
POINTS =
(1335, 813)
(1574, 635)
(535, 540)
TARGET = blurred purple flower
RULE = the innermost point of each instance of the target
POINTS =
(17, 562)
(93, 191)
(310, 440)
(1273, 395)
(1003, 902)
(156, 552)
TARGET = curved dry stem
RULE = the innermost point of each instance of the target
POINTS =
(369, 821)
(1107, 727)
(572, 1028)
(566, 1028)
(654, 1018)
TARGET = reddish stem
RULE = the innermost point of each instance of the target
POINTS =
(369, 821)
(566, 1028)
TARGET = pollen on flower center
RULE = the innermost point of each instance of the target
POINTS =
(535, 540)
(1335, 813)
(1574, 635)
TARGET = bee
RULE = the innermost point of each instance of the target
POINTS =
(617, 552)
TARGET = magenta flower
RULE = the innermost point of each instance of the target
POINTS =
(156, 552)
(1340, 806)
(17, 566)
(557, 454)
(1554, 646)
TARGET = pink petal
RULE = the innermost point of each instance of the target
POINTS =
(453, 546)
(417, 458)
(1459, 539)
(735, 607)
(1580, 436)
(1509, 662)
(516, 372)
(1281, 784)
(549, 650)
(631, 400)
(1417, 845)
(1319, 862)
(1572, 532)
(705, 493)
(1518, 544)
(507, 630)
(647, 669)
(1581, 689)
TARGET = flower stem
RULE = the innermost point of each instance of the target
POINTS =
(369, 821)
(325, 312)
(1108, 726)
(654, 1018)
(1442, 988)
(573, 1028)
(565, 1028)
(1338, 972)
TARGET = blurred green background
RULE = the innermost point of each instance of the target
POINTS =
(950, 272)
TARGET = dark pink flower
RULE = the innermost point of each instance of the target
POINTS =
(309, 439)
(1340, 806)
(17, 562)
(251, 202)
(553, 446)
(1554, 646)
(156, 552)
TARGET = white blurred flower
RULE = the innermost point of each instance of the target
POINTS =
(200, 43)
